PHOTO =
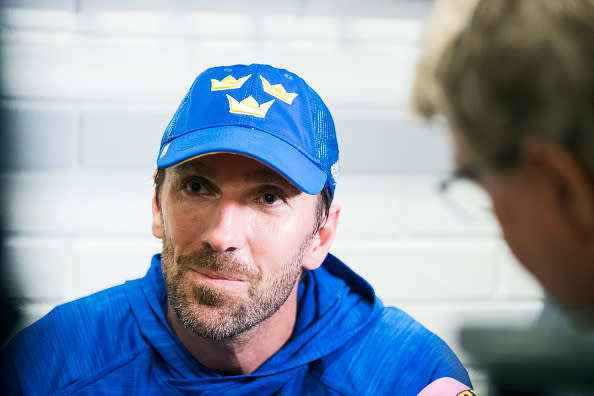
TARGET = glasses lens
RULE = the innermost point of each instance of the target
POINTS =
(468, 198)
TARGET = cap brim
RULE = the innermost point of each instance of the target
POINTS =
(272, 151)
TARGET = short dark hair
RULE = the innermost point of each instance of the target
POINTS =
(522, 68)
(322, 209)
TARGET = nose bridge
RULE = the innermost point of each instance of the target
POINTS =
(227, 226)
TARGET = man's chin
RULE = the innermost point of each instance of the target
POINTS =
(212, 323)
(208, 295)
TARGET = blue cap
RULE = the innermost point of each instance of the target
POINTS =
(266, 113)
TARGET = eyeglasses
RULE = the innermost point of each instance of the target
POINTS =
(462, 192)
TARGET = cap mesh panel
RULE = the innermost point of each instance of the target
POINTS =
(325, 138)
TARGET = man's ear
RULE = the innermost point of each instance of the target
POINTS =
(322, 241)
(572, 186)
(157, 219)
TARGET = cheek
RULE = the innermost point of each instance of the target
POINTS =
(274, 240)
(512, 228)
(530, 230)
(518, 225)
(182, 228)
(506, 213)
(269, 234)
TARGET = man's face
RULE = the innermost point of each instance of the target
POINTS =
(235, 235)
(535, 226)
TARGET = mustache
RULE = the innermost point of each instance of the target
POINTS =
(225, 264)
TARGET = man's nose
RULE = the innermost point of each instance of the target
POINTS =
(226, 227)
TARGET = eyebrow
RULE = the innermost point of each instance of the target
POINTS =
(270, 176)
(263, 176)
(195, 166)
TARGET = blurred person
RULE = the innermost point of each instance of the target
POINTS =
(516, 86)
(244, 298)
(518, 92)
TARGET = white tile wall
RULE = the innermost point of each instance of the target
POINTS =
(41, 268)
(108, 137)
(40, 139)
(89, 86)
(423, 269)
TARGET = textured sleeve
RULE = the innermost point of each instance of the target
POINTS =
(396, 355)
(446, 362)
(413, 356)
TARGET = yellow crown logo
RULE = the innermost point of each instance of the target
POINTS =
(249, 106)
(278, 91)
(228, 82)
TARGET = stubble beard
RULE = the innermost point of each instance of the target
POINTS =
(214, 314)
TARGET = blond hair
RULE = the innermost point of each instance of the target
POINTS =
(519, 68)
(447, 18)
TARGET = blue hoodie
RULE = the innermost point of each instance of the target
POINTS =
(117, 342)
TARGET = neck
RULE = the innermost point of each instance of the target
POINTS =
(245, 352)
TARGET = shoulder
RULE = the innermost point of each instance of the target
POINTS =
(74, 341)
(395, 326)
(397, 354)
(406, 335)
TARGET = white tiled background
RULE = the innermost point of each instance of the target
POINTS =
(89, 86)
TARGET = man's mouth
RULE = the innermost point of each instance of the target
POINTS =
(218, 276)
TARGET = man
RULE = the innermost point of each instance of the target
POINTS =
(244, 299)
(518, 92)
(517, 88)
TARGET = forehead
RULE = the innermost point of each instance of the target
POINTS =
(226, 165)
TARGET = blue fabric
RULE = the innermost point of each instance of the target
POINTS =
(117, 342)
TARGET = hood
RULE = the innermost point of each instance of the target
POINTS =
(334, 304)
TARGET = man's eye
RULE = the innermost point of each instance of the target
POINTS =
(270, 198)
(194, 187)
